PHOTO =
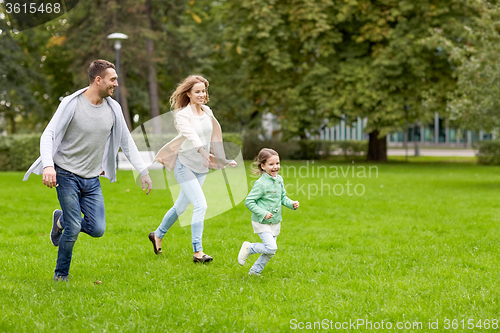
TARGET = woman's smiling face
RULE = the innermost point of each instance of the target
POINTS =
(198, 94)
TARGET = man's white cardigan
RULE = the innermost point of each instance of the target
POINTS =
(119, 137)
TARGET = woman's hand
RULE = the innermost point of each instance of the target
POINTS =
(206, 157)
(233, 163)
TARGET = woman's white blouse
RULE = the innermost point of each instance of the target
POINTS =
(188, 154)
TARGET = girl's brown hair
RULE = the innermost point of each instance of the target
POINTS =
(179, 98)
(261, 158)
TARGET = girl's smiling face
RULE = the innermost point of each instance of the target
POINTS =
(272, 165)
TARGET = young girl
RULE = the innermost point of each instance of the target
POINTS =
(265, 200)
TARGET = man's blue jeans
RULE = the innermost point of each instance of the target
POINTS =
(191, 192)
(77, 195)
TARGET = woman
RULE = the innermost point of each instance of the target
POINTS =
(189, 155)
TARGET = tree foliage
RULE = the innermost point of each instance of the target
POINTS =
(475, 103)
(310, 60)
(22, 88)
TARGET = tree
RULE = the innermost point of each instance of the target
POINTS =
(158, 54)
(86, 37)
(190, 39)
(166, 43)
(272, 50)
(389, 69)
(307, 61)
(475, 103)
(18, 81)
(152, 81)
(210, 48)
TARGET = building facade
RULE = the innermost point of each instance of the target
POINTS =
(439, 132)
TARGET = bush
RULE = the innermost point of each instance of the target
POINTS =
(488, 152)
(302, 149)
(299, 149)
(233, 138)
(233, 144)
(18, 152)
(252, 145)
(351, 147)
(312, 150)
(156, 141)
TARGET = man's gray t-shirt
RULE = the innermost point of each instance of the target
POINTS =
(82, 147)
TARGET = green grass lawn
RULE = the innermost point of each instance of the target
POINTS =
(421, 244)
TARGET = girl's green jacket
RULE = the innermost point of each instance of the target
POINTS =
(267, 195)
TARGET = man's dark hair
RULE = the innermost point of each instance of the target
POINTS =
(97, 68)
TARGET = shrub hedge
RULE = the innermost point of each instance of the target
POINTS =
(351, 147)
(488, 152)
(303, 149)
(18, 152)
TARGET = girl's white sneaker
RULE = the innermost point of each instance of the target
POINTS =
(244, 253)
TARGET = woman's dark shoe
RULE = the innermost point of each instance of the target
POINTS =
(152, 239)
(203, 259)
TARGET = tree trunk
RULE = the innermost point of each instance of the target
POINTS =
(152, 82)
(11, 123)
(377, 147)
(123, 100)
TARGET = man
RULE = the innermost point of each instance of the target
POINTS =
(79, 144)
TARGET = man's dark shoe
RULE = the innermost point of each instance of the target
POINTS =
(60, 278)
(56, 232)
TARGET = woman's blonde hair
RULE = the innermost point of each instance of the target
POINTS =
(261, 158)
(179, 98)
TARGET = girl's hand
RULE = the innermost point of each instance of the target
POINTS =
(268, 216)
(295, 204)
(233, 163)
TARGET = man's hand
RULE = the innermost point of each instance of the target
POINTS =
(146, 183)
(268, 216)
(295, 204)
(49, 176)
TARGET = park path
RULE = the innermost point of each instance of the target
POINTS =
(433, 152)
